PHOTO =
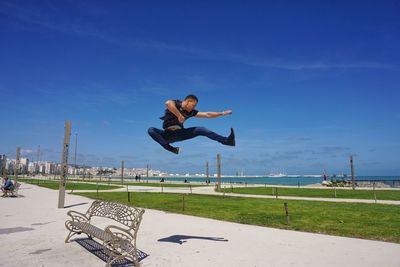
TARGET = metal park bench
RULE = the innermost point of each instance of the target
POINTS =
(12, 192)
(119, 241)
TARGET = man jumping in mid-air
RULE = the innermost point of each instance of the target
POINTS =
(175, 115)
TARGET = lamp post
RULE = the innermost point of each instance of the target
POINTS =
(76, 145)
(353, 184)
(122, 172)
(37, 162)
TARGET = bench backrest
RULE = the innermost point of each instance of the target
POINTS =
(16, 187)
(129, 216)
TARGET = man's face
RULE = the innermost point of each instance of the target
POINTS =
(190, 104)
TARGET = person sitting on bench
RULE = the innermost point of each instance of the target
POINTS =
(7, 186)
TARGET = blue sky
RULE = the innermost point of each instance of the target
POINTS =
(309, 82)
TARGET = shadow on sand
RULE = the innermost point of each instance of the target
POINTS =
(96, 249)
(180, 239)
(74, 205)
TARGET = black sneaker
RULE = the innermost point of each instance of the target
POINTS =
(231, 139)
(172, 149)
(176, 150)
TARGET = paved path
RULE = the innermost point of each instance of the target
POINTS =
(32, 233)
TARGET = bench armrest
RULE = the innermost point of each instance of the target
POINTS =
(77, 216)
(119, 232)
(122, 240)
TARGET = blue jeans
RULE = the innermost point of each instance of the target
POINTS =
(165, 138)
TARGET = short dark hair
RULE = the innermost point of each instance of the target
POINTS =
(192, 97)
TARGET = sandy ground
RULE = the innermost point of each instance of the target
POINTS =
(32, 232)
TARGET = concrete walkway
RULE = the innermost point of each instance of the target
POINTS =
(32, 233)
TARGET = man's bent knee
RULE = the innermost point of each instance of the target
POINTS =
(201, 129)
(151, 130)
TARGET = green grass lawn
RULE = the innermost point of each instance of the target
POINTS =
(368, 221)
(314, 192)
(143, 183)
(51, 184)
(158, 184)
(103, 185)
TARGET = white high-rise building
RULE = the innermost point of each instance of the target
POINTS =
(23, 165)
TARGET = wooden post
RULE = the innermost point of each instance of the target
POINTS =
(207, 171)
(287, 213)
(335, 191)
(190, 186)
(122, 172)
(97, 189)
(129, 193)
(17, 161)
(219, 172)
(276, 192)
(373, 184)
(64, 165)
(353, 184)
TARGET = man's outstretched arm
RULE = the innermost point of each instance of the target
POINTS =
(212, 114)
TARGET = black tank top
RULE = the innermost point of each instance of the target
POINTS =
(171, 120)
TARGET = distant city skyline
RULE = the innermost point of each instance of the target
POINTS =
(310, 83)
(27, 167)
(49, 168)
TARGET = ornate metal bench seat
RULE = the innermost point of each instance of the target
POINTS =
(118, 242)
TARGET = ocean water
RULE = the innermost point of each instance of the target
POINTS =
(395, 180)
